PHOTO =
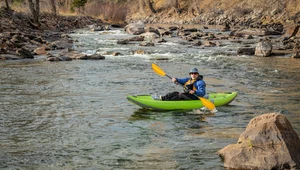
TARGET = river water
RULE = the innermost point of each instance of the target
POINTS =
(74, 115)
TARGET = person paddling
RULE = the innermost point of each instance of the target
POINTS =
(194, 87)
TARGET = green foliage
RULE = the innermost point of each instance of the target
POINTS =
(78, 4)
(251, 145)
(18, 2)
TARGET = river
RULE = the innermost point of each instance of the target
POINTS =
(74, 115)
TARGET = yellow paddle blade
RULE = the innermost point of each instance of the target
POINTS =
(208, 104)
(158, 70)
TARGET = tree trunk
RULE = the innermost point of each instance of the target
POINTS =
(7, 5)
(295, 31)
(193, 8)
(177, 4)
(35, 11)
(53, 7)
(141, 4)
(175, 8)
(150, 4)
(69, 2)
(146, 6)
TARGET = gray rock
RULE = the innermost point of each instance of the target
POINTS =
(136, 38)
(146, 44)
(135, 28)
(296, 50)
(264, 48)
(9, 57)
(61, 44)
(149, 36)
(246, 51)
(24, 53)
(126, 41)
(251, 31)
(95, 57)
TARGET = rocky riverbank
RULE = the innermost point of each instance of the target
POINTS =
(246, 18)
(21, 40)
(257, 41)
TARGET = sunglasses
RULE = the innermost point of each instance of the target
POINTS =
(193, 73)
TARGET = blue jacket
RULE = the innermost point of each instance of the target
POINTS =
(200, 85)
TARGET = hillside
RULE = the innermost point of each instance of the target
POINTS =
(274, 15)
(236, 13)
(249, 13)
(216, 12)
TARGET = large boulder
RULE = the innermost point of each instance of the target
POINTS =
(149, 36)
(269, 142)
(264, 48)
(135, 28)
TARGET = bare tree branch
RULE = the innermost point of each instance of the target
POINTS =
(35, 11)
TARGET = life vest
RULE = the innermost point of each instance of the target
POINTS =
(189, 85)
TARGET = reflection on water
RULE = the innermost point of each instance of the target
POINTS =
(74, 115)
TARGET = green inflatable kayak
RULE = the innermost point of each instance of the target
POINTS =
(147, 101)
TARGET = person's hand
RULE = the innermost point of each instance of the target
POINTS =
(174, 80)
(192, 92)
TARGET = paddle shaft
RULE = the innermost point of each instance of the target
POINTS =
(170, 77)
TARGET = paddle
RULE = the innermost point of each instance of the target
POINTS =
(208, 104)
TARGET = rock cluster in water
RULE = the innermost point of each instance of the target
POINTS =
(267, 45)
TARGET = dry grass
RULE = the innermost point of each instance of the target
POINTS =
(293, 7)
(208, 5)
(107, 11)
(20, 7)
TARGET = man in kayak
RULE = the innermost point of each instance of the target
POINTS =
(194, 87)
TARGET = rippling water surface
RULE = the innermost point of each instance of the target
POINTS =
(74, 115)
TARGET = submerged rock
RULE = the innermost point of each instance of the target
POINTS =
(246, 51)
(269, 142)
(10, 57)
